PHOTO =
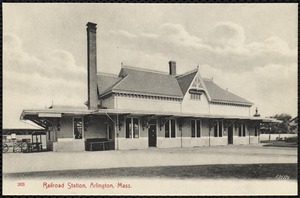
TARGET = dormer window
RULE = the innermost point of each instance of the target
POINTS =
(195, 96)
(197, 88)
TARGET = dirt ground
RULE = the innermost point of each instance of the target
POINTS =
(233, 154)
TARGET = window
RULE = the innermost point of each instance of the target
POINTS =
(167, 129)
(109, 131)
(132, 128)
(255, 131)
(196, 128)
(77, 128)
(242, 130)
(218, 129)
(195, 96)
(170, 129)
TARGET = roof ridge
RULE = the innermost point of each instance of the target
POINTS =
(107, 74)
(146, 70)
(118, 83)
(187, 73)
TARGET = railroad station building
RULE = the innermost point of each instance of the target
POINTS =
(141, 108)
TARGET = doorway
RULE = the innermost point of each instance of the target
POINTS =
(230, 135)
(152, 133)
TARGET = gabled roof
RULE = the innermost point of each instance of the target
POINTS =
(141, 81)
(106, 82)
(218, 94)
(134, 80)
(185, 80)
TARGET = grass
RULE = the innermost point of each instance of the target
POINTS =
(281, 143)
(226, 171)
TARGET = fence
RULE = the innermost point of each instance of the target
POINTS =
(264, 137)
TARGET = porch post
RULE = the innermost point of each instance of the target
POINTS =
(248, 127)
(209, 136)
(258, 132)
(117, 132)
(181, 136)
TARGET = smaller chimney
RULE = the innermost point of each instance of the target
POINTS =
(172, 68)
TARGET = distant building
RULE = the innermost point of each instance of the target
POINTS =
(141, 108)
(293, 125)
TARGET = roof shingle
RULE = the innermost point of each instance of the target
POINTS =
(185, 81)
(148, 82)
(218, 94)
(106, 82)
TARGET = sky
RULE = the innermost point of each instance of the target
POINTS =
(251, 49)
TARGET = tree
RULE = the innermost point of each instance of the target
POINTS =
(282, 127)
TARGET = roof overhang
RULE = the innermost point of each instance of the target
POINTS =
(178, 114)
(139, 93)
(41, 117)
(51, 113)
(196, 90)
(271, 120)
(232, 102)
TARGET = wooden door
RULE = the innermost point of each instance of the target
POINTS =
(152, 135)
(230, 135)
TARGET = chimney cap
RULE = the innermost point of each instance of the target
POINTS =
(91, 26)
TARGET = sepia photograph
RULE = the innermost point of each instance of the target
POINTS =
(189, 99)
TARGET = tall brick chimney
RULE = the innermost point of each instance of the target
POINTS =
(172, 68)
(92, 65)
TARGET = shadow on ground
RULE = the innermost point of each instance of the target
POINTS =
(224, 171)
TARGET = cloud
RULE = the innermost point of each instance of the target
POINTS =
(225, 47)
(272, 88)
(263, 72)
(274, 50)
(227, 34)
(175, 33)
(31, 82)
(123, 33)
(58, 64)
